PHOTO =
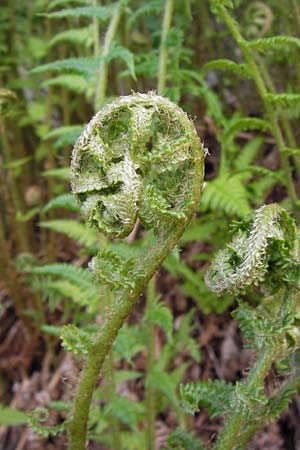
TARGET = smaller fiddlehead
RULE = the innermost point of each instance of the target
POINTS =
(138, 158)
(264, 251)
(257, 254)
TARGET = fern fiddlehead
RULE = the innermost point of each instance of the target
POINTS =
(263, 251)
(138, 158)
(247, 259)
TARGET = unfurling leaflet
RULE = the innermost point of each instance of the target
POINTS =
(262, 251)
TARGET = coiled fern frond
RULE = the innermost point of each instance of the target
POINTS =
(258, 253)
(138, 158)
(135, 159)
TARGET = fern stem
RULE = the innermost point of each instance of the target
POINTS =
(111, 385)
(150, 393)
(115, 318)
(17, 200)
(102, 72)
(285, 122)
(228, 438)
(168, 229)
(163, 54)
(96, 30)
(50, 243)
(290, 386)
(262, 90)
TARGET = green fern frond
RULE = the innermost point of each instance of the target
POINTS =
(183, 440)
(11, 416)
(284, 100)
(16, 164)
(79, 36)
(273, 43)
(65, 135)
(226, 193)
(258, 329)
(73, 82)
(291, 151)
(102, 13)
(117, 51)
(264, 172)
(215, 395)
(76, 275)
(82, 66)
(36, 419)
(245, 124)
(62, 173)
(113, 270)
(259, 253)
(79, 296)
(162, 382)
(75, 340)
(159, 314)
(66, 201)
(130, 341)
(248, 153)
(127, 411)
(55, 3)
(226, 64)
(262, 187)
(217, 5)
(73, 229)
(151, 7)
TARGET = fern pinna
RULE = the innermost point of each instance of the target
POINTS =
(264, 251)
(138, 158)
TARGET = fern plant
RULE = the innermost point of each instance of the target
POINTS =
(264, 251)
(139, 157)
(275, 105)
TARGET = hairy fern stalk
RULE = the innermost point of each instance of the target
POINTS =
(264, 251)
(138, 158)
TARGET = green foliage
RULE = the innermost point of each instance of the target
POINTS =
(75, 340)
(228, 194)
(81, 66)
(11, 416)
(76, 83)
(62, 201)
(36, 419)
(245, 124)
(160, 315)
(226, 64)
(52, 63)
(260, 252)
(72, 229)
(182, 440)
(275, 43)
(99, 12)
(215, 395)
(82, 36)
(126, 410)
(65, 135)
(125, 55)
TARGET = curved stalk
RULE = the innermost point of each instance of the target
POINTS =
(228, 438)
(139, 157)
